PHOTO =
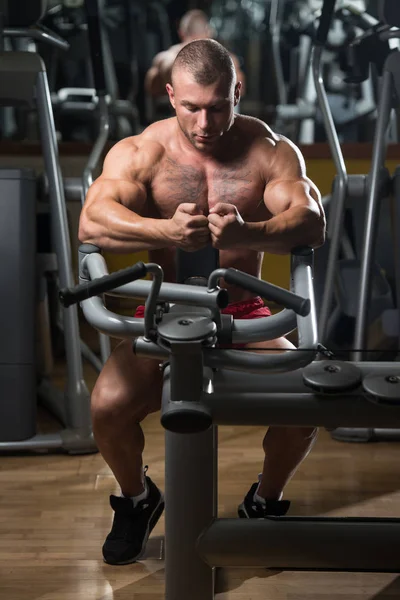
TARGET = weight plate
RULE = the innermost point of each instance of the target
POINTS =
(383, 388)
(186, 327)
(332, 376)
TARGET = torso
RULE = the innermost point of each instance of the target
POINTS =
(236, 179)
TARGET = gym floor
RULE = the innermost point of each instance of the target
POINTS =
(54, 516)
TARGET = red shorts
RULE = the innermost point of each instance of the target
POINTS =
(247, 309)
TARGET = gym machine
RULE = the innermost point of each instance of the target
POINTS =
(361, 291)
(76, 188)
(206, 386)
(23, 82)
(73, 89)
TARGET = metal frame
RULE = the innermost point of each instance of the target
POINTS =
(341, 189)
(197, 398)
(74, 404)
(392, 65)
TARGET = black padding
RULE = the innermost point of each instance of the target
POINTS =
(389, 12)
(191, 418)
(101, 285)
(22, 13)
(196, 267)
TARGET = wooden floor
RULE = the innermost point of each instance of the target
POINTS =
(54, 516)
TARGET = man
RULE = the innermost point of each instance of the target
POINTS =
(194, 25)
(204, 176)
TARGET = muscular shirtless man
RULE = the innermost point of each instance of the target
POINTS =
(183, 183)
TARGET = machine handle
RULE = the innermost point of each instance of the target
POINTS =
(325, 21)
(83, 291)
(39, 33)
(299, 305)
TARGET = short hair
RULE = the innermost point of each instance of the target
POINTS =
(207, 60)
(193, 22)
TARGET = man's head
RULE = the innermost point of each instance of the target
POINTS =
(204, 92)
(194, 25)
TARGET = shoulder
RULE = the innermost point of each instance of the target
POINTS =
(167, 56)
(136, 153)
(278, 153)
(254, 129)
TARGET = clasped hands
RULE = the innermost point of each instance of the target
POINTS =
(223, 227)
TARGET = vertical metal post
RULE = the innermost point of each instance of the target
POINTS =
(190, 504)
(338, 197)
(77, 394)
(371, 222)
(189, 508)
(396, 236)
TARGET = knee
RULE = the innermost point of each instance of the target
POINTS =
(110, 406)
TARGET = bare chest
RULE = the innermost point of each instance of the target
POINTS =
(176, 183)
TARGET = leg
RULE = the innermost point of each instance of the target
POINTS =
(127, 389)
(285, 447)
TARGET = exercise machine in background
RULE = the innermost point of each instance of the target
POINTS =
(354, 286)
(23, 82)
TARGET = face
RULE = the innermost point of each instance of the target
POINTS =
(204, 113)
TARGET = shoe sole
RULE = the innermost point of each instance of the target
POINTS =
(158, 511)
(242, 512)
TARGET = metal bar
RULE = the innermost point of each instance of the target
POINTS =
(142, 347)
(169, 292)
(249, 331)
(98, 148)
(191, 500)
(38, 34)
(371, 222)
(396, 238)
(44, 441)
(292, 543)
(290, 409)
(77, 394)
(365, 434)
(276, 11)
(339, 196)
(111, 323)
(228, 381)
(284, 361)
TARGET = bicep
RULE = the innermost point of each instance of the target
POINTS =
(283, 194)
(131, 194)
(287, 183)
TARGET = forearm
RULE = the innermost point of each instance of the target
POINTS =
(297, 226)
(115, 228)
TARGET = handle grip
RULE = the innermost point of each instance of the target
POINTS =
(325, 21)
(83, 291)
(299, 305)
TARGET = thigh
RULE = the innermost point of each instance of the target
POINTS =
(271, 346)
(129, 381)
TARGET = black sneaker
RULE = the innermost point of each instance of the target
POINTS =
(132, 526)
(249, 509)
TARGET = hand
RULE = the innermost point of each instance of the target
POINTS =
(190, 228)
(225, 224)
